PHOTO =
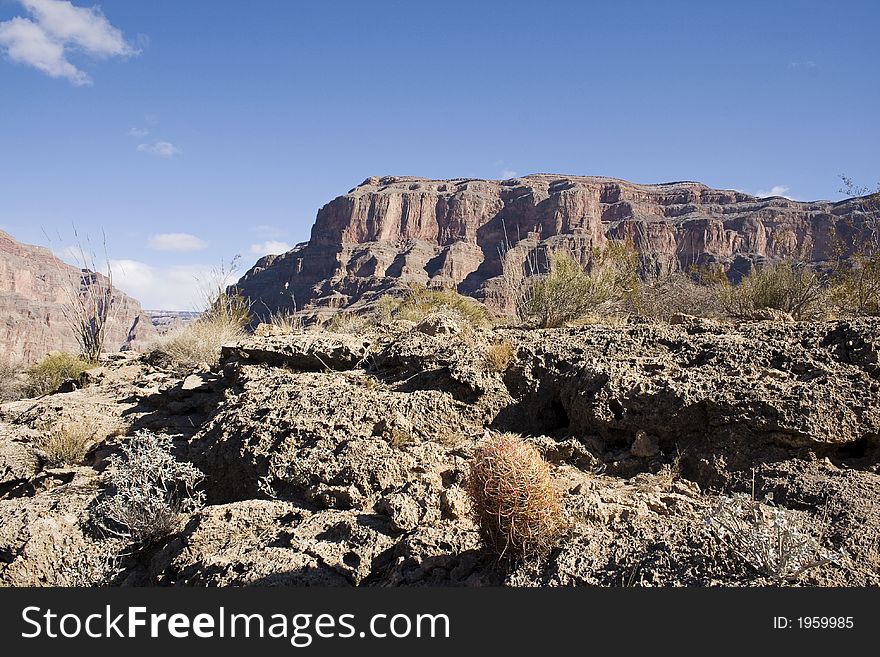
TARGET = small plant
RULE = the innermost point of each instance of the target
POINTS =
(421, 302)
(498, 355)
(199, 342)
(567, 291)
(514, 502)
(12, 387)
(287, 321)
(791, 287)
(66, 443)
(148, 490)
(90, 305)
(765, 538)
(48, 374)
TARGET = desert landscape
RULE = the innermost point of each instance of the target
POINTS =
(547, 380)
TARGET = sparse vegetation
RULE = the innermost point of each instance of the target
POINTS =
(52, 370)
(791, 287)
(514, 502)
(689, 293)
(89, 306)
(66, 443)
(223, 321)
(421, 302)
(222, 302)
(148, 490)
(199, 342)
(12, 385)
(765, 538)
(498, 355)
(567, 291)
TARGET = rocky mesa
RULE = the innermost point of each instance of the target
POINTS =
(34, 287)
(471, 234)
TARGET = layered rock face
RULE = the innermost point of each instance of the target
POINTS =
(34, 288)
(476, 234)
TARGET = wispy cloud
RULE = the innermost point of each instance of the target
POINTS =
(776, 190)
(160, 148)
(138, 132)
(56, 27)
(176, 242)
(508, 173)
(270, 247)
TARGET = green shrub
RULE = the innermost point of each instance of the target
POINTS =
(791, 287)
(855, 284)
(513, 499)
(421, 302)
(12, 386)
(48, 374)
(568, 292)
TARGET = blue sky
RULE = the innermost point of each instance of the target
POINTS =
(189, 131)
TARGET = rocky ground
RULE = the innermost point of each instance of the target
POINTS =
(339, 459)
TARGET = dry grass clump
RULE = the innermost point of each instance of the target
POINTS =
(199, 342)
(421, 302)
(66, 443)
(148, 490)
(45, 376)
(514, 502)
(791, 287)
(498, 355)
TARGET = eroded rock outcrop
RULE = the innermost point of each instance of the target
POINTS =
(471, 234)
(34, 287)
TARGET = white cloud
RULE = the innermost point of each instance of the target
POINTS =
(138, 132)
(160, 148)
(176, 242)
(508, 173)
(161, 288)
(268, 247)
(776, 190)
(59, 26)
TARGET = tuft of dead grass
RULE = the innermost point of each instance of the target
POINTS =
(199, 342)
(66, 443)
(499, 356)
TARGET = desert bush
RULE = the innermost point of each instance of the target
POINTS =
(679, 293)
(66, 443)
(498, 355)
(148, 490)
(288, 321)
(351, 323)
(199, 341)
(12, 387)
(765, 538)
(89, 307)
(855, 284)
(421, 302)
(45, 376)
(567, 291)
(514, 502)
(791, 287)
